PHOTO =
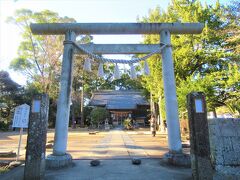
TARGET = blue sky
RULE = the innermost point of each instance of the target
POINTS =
(82, 11)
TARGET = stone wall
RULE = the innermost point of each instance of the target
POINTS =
(224, 137)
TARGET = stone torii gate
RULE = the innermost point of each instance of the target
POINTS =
(60, 158)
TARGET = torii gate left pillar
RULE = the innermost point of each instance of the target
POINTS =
(60, 158)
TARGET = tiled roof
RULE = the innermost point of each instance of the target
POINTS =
(118, 99)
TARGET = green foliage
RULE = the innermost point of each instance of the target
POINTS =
(207, 62)
(7, 85)
(39, 57)
(126, 83)
(4, 169)
(87, 118)
(11, 95)
(4, 126)
(98, 115)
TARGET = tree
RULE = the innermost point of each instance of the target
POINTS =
(10, 96)
(7, 85)
(202, 61)
(232, 30)
(39, 57)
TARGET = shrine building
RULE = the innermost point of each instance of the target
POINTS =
(122, 104)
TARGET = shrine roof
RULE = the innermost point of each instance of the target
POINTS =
(118, 99)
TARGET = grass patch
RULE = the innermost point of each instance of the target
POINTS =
(4, 169)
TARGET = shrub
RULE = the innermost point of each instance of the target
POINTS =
(127, 124)
(4, 126)
(98, 115)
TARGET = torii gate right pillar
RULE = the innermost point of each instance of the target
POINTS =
(171, 105)
(175, 155)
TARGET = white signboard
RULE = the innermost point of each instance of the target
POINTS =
(21, 116)
(199, 106)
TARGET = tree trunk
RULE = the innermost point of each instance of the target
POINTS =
(82, 106)
(162, 129)
(152, 106)
(156, 114)
(151, 101)
(73, 117)
(214, 113)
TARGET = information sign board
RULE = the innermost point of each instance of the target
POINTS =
(21, 116)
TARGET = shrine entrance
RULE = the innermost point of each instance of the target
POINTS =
(59, 157)
(119, 116)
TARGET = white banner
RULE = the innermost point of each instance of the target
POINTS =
(21, 116)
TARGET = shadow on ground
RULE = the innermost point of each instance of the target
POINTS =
(117, 169)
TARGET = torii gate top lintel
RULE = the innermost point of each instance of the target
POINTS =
(116, 28)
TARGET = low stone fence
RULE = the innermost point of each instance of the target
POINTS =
(224, 138)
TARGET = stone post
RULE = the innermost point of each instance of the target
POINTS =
(173, 126)
(36, 140)
(60, 158)
(199, 136)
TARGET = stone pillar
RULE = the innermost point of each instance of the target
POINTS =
(199, 136)
(36, 140)
(171, 105)
(60, 158)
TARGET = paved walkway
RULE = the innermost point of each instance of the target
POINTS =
(114, 149)
(114, 144)
(118, 144)
(120, 169)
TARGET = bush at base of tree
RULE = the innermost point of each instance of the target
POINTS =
(98, 115)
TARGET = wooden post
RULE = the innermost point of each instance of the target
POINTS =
(199, 136)
(19, 143)
(36, 140)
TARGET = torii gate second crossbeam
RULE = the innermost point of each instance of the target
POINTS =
(60, 158)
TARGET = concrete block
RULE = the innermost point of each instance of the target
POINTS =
(229, 127)
(236, 144)
(214, 130)
(227, 172)
(228, 130)
(225, 148)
